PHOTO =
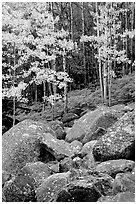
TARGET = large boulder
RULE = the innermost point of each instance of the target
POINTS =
(124, 182)
(120, 197)
(118, 142)
(121, 108)
(37, 171)
(92, 125)
(31, 141)
(86, 189)
(22, 187)
(113, 167)
(19, 189)
(58, 148)
(49, 189)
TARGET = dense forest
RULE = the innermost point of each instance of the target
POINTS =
(68, 101)
(49, 49)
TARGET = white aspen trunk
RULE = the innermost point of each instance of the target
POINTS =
(110, 62)
(54, 68)
(14, 98)
(132, 21)
(105, 68)
(123, 67)
(71, 29)
(126, 36)
(65, 87)
(83, 45)
(105, 83)
(99, 60)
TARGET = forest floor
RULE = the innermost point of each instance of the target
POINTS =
(79, 102)
(122, 92)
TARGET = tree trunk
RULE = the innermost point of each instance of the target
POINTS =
(71, 21)
(83, 45)
(126, 36)
(36, 92)
(132, 22)
(71, 32)
(44, 90)
(14, 98)
(106, 74)
(65, 87)
(54, 68)
(99, 60)
(110, 61)
(105, 82)
(123, 66)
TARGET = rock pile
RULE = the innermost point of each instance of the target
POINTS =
(92, 162)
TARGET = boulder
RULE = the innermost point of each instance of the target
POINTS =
(120, 197)
(19, 189)
(31, 141)
(122, 108)
(88, 162)
(67, 117)
(48, 190)
(113, 167)
(85, 189)
(54, 166)
(66, 164)
(124, 182)
(58, 148)
(57, 127)
(118, 142)
(76, 146)
(22, 187)
(89, 126)
(37, 171)
(87, 148)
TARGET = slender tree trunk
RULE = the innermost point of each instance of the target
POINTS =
(54, 68)
(36, 92)
(71, 30)
(83, 45)
(14, 98)
(110, 81)
(71, 21)
(132, 22)
(105, 82)
(44, 90)
(123, 67)
(65, 87)
(99, 60)
(106, 74)
(110, 61)
(114, 43)
(126, 17)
